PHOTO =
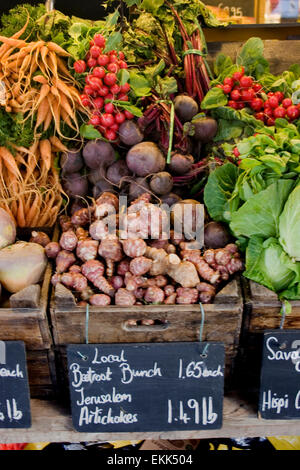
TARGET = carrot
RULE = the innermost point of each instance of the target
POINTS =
(46, 155)
(56, 48)
(67, 107)
(34, 209)
(40, 79)
(9, 162)
(62, 67)
(20, 214)
(44, 91)
(43, 112)
(13, 41)
(57, 145)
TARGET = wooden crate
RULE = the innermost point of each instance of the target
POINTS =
(29, 321)
(261, 312)
(222, 322)
(41, 373)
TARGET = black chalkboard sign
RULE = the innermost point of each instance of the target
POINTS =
(146, 387)
(14, 389)
(280, 375)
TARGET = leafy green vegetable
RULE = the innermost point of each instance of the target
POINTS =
(15, 19)
(269, 265)
(219, 192)
(259, 215)
(13, 131)
(214, 98)
(289, 225)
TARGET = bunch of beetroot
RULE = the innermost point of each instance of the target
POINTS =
(102, 84)
(244, 92)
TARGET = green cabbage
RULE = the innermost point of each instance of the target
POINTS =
(289, 225)
(269, 265)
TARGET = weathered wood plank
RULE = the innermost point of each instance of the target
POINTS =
(51, 422)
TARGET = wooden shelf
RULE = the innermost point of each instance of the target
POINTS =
(51, 422)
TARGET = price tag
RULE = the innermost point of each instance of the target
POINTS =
(14, 389)
(236, 8)
(146, 387)
(280, 375)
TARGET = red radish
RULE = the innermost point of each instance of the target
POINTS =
(227, 89)
(271, 121)
(80, 66)
(269, 112)
(99, 40)
(292, 112)
(257, 87)
(238, 75)
(248, 95)
(120, 117)
(279, 112)
(260, 116)
(88, 90)
(287, 102)
(114, 127)
(107, 120)
(112, 67)
(273, 101)
(115, 89)
(99, 72)
(103, 60)
(95, 51)
(122, 97)
(235, 95)
(113, 59)
(228, 81)
(99, 102)
(233, 104)
(95, 120)
(125, 88)
(240, 105)
(103, 90)
(236, 152)
(279, 95)
(121, 55)
(91, 63)
(128, 114)
(110, 134)
(246, 82)
(110, 79)
(109, 108)
(257, 104)
(85, 100)
(122, 64)
(271, 93)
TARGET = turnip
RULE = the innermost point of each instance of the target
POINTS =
(21, 265)
(181, 164)
(75, 185)
(145, 158)
(161, 183)
(138, 187)
(130, 134)
(98, 154)
(185, 107)
(71, 161)
(117, 171)
(7, 229)
(204, 129)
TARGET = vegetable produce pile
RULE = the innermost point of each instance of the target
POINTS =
(255, 187)
(103, 267)
(128, 106)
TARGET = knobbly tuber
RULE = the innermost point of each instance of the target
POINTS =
(103, 268)
(39, 237)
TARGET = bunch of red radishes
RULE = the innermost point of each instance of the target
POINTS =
(244, 92)
(102, 84)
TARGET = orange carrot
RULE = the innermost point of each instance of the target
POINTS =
(9, 162)
(56, 48)
(57, 145)
(46, 155)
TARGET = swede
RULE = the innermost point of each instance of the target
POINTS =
(7, 229)
(21, 265)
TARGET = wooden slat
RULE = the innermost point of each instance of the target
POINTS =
(51, 422)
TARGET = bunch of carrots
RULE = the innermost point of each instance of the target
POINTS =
(38, 85)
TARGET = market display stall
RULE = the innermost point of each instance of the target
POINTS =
(149, 196)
